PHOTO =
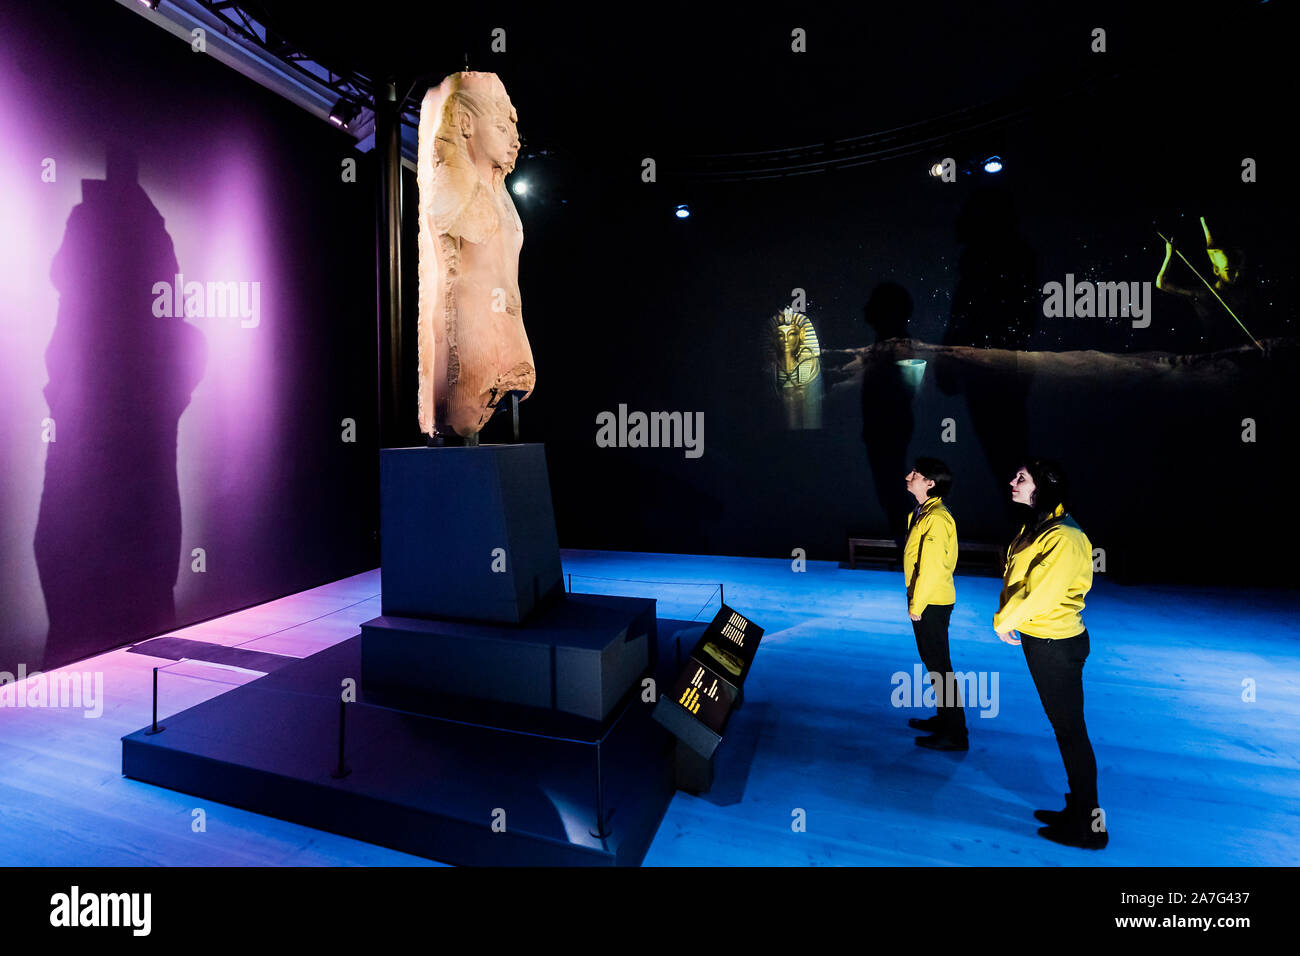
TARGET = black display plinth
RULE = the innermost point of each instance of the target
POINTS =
(578, 655)
(467, 532)
(696, 750)
(498, 719)
(432, 787)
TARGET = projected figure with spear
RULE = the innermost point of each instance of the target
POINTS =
(1226, 265)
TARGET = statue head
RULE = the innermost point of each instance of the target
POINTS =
(472, 123)
(792, 348)
(790, 340)
(1227, 264)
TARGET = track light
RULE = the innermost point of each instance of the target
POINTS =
(344, 112)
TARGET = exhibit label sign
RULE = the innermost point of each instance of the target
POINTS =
(697, 707)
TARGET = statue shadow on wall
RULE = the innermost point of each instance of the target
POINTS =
(887, 418)
(108, 534)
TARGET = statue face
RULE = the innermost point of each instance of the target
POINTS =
(496, 137)
(1224, 269)
(789, 339)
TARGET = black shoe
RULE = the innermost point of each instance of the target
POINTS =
(1056, 817)
(942, 742)
(930, 724)
(1082, 836)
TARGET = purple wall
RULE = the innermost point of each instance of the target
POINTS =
(125, 161)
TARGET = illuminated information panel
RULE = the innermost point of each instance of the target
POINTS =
(700, 701)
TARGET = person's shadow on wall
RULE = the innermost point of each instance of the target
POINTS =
(995, 305)
(887, 418)
(109, 529)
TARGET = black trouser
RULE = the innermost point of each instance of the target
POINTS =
(1057, 669)
(932, 643)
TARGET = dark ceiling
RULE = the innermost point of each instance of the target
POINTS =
(685, 80)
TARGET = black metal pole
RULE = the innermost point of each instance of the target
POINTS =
(341, 771)
(393, 385)
(153, 725)
(601, 832)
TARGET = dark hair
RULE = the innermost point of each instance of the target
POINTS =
(1051, 486)
(937, 472)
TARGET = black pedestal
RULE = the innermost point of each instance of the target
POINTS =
(498, 719)
(467, 532)
(578, 655)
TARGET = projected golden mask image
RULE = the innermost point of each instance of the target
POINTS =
(792, 359)
(793, 352)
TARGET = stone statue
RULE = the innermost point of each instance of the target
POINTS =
(473, 351)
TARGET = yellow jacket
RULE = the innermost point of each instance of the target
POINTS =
(929, 557)
(1048, 573)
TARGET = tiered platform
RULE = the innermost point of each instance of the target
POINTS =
(426, 783)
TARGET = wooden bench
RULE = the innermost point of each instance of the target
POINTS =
(989, 557)
(874, 544)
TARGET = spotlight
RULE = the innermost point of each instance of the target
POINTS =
(151, 4)
(936, 169)
(993, 164)
(344, 112)
(682, 212)
(520, 187)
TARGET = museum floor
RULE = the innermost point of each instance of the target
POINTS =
(1190, 772)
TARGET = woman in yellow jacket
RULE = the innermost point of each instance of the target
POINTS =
(929, 557)
(1048, 572)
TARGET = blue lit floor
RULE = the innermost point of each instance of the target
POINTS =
(1190, 773)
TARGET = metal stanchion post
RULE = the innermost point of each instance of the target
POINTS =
(601, 832)
(154, 727)
(341, 771)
